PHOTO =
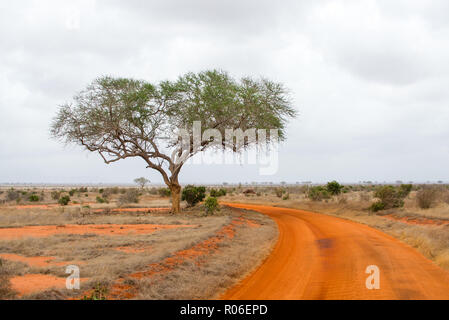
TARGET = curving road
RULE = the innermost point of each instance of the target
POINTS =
(323, 257)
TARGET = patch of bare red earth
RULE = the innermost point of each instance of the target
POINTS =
(100, 229)
(199, 253)
(31, 283)
(417, 220)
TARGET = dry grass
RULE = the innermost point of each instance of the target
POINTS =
(208, 280)
(102, 262)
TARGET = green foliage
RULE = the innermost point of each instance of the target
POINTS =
(211, 205)
(164, 192)
(390, 197)
(405, 190)
(72, 192)
(377, 206)
(64, 200)
(99, 293)
(334, 188)
(101, 200)
(33, 198)
(318, 193)
(192, 195)
(217, 193)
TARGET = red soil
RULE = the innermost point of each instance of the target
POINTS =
(31, 283)
(198, 252)
(417, 220)
(105, 229)
(37, 261)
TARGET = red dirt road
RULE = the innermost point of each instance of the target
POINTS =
(323, 257)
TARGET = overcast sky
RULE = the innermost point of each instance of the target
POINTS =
(369, 79)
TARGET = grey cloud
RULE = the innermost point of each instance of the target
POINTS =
(368, 77)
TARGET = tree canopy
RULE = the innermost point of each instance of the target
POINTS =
(120, 118)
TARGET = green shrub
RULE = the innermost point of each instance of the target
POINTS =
(211, 205)
(334, 188)
(377, 206)
(164, 192)
(64, 200)
(101, 200)
(33, 198)
(318, 193)
(192, 195)
(217, 193)
(405, 190)
(72, 192)
(390, 196)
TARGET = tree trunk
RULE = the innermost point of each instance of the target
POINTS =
(176, 198)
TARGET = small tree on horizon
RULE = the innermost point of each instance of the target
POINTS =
(141, 182)
(120, 118)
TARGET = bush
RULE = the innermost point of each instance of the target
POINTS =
(334, 188)
(101, 200)
(279, 192)
(192, 195)
(286, 197)
(405, 189)
(211, 205)
(109, 191)
(318, 193)
(64, 200)
(72, 192)
(130, 196)
(33, 198)
(217, 193)
(390, 196)
(55, 195)
(377, 206)
(164, 192)
(249, 191)
(12, 195)
(427, 197)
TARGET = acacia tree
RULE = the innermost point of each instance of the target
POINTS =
(142, 182)
(121, 118)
